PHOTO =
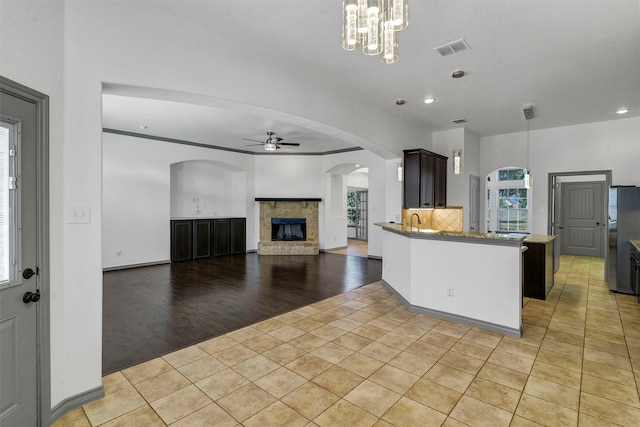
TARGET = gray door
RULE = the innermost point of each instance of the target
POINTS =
(19, 405)
(582, 218)
(474, 203)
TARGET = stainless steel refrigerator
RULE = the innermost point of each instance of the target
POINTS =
(624, 225)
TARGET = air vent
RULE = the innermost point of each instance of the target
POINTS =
(453, 47)
(459, 121)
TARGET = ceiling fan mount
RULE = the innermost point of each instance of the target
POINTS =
(272, 142)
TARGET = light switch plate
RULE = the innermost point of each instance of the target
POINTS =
(79, 214)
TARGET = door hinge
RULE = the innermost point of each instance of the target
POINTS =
(12, 151)
(13, 182)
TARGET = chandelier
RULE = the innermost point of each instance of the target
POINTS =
(374, 25)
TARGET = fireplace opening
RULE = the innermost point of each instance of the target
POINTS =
(288, 229)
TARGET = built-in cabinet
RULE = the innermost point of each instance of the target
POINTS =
(207, 237)
(425, 179)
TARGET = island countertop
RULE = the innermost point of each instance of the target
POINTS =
(507, 239)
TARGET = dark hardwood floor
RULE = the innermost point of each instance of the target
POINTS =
(152, 311)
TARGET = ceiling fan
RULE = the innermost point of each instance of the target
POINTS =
(272, 143)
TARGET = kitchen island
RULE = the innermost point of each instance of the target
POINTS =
(471, 278)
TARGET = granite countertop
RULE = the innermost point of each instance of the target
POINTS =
(636, 244)
(539, 238)
(451, 235)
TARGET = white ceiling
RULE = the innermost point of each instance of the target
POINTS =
(575, 61)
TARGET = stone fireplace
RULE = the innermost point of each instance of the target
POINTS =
(288, 227)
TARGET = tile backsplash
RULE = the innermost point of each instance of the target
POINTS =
(448, 219)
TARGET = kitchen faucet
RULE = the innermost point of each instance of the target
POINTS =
(411, 220)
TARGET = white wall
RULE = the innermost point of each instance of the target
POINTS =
(137, 194)
(358, 180)
(32, 54)
(207, 189)
(458, 185)
(611, 145)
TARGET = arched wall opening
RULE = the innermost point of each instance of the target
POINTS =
(207, 189)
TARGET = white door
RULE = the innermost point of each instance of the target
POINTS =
(582, 218)
(19, 282)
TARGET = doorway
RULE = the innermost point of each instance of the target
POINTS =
(357, 213)
(577, 213)
(24, 283)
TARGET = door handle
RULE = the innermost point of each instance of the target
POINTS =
(597, 223)
(31, 296)
(28, 274)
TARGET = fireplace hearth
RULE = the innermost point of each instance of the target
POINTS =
(288, 229)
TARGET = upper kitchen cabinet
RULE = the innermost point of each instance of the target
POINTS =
(425, 179)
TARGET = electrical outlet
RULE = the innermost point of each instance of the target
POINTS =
(79, 215)
(450, 292)
(118, 252)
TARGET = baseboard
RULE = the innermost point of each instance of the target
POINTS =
(454, 317)
(76, 401)
(144, 264)
(374, 257)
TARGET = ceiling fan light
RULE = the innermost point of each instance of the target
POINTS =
(270, 146)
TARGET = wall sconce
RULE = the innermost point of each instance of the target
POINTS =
(527, 178)
(457, 161)
(400, 171)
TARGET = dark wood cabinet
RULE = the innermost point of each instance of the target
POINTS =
(201, 238)
(238, 235)
(537, 274)
(425, 179)
(204, 238)
(181, 240)
(221, 237)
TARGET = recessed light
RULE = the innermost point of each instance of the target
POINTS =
(457, 74)
(622, 111)
(143, 127)
(357, 165)
(429, 100)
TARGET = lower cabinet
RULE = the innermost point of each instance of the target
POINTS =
(238, 235)
(537, 270)
(204, 238)
(201, 238)
(181, 240)
(221, 237)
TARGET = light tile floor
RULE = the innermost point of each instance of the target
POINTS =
(362, 359)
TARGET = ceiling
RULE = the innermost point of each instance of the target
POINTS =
(574, 61)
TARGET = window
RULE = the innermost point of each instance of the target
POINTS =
(513, 214)
(353, 201)
(8, 211)
(508, 201)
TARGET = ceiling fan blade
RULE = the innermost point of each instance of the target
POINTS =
(277, 138)
(253, 145)
(294, 144)
(254, 140)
